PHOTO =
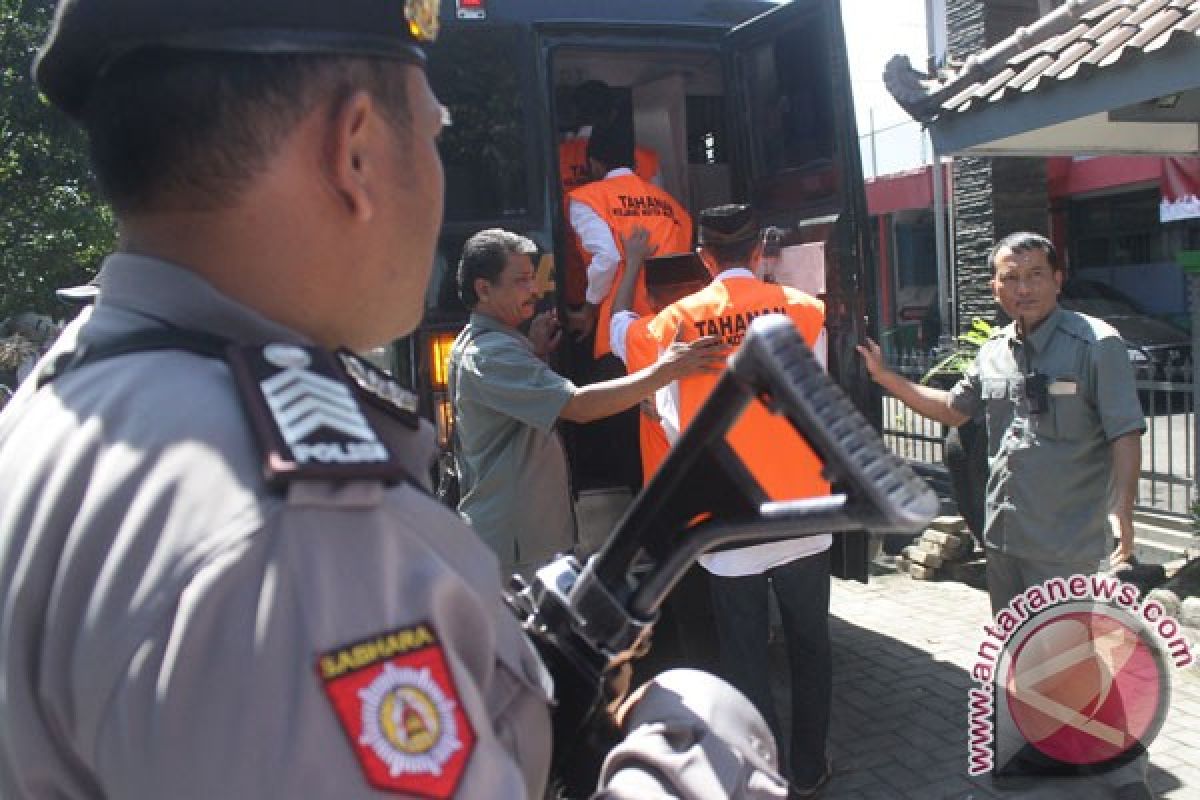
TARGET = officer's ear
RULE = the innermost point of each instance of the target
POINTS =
(352, 143)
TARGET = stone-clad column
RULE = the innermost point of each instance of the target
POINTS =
(992, 196)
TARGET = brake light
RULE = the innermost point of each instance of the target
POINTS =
(445, 420)
(471, 9)
(440, 345)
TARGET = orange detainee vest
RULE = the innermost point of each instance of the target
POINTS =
(573, 172)
(573, 168)
(778, 457)
(640, 352)
(625, 202)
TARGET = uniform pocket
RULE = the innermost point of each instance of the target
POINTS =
(1071, 417)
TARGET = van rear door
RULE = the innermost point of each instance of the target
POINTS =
(796, 157)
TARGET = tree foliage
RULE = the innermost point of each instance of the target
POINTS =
(54, 228)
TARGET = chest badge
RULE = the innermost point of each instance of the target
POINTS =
(395, 698)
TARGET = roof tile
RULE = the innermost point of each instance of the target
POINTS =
(1111, 41)
(1109, 22)
(1108, 32)
(1106, 8)
(1145, 11)
(1069, 57)
(1153, 27)
(1033, 72)
(1190, 24)
(997, 81)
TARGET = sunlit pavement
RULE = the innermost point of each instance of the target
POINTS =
(903, 650)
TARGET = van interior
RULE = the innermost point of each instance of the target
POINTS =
(675, 103)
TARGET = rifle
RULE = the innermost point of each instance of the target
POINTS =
(588, 620)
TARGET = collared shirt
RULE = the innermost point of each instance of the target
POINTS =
(1050, 473)
(512, 467)
(597, 239)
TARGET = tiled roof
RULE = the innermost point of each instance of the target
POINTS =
(1077, 39)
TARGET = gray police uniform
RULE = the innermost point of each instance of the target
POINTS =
(173, 627)
(1050, 473)
(168, 619)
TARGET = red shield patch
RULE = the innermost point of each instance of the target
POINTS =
(395, 697)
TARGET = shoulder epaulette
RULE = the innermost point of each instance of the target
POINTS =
(306, 417)
(379, 389)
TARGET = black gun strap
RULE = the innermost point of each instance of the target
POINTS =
(203, 344)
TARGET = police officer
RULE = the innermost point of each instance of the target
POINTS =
(220, 571)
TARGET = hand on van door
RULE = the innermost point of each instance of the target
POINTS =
(581, 322)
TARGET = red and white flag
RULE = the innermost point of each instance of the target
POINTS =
(1180, 189)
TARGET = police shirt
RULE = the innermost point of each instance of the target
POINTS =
(1049, 473)
(173, 628)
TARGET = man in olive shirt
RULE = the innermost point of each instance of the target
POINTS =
(1064, 423)
(1064, 445)
(507, 401)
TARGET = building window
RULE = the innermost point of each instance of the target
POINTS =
(1116, 230)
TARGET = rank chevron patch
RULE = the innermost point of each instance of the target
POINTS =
(306, 417)
(303, 401)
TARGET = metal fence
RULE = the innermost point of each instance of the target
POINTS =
(1169, 447)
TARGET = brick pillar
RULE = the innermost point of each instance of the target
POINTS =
(992, 196)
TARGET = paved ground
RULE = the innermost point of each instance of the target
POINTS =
(902, 651)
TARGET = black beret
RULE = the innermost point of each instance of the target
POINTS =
(727, 224)
(89, 35)
(675, 269)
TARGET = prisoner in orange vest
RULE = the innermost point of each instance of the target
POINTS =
(603, 213)
(786, 468)
(574, 171)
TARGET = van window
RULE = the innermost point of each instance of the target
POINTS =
(791, 100)
(475, 75)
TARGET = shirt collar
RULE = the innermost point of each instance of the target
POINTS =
(487, 323)
(1042, 333)
(619, 171)
(174, 295)
(735, 272)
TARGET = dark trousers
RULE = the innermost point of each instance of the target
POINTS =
(740, 608)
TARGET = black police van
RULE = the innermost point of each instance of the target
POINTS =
(742, 100)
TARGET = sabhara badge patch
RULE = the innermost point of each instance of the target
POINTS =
(396, 699)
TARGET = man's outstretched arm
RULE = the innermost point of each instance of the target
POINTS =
(925, 400)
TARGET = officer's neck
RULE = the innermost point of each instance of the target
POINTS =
(246, 257)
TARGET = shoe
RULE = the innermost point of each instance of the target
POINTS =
(809, 792)
(1134, 791)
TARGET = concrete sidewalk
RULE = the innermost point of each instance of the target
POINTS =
(902, 654)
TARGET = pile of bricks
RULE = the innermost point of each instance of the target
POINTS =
(944, 544)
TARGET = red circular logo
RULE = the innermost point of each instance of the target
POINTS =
(1086, 687)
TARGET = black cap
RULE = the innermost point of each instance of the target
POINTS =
(675, 269)
(729, 224)
(88, 36)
